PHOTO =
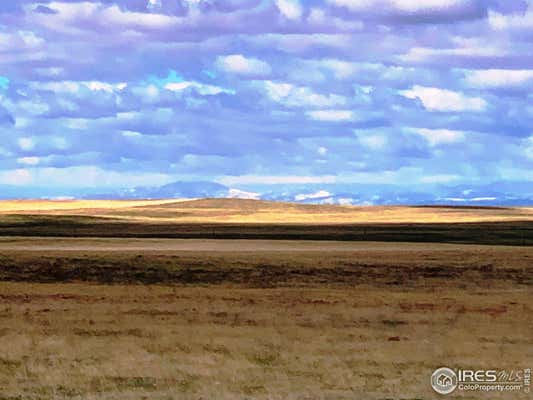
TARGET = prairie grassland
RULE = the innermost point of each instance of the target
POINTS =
(14, 206)
(255, 211)
(263, 263)
(252, 219)
(159, 342)
(194, 319)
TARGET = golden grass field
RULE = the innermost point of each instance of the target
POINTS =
(155, 318)
(255, 211)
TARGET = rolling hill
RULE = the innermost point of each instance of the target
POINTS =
(223, 210)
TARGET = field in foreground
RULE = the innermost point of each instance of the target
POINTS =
(203, 319)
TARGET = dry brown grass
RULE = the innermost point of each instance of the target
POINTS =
(144, 342)
(363, 251)
(14, 206)
(308, 321)
(253, 211)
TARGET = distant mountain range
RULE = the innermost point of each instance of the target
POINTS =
(503, 193)
(171, 190)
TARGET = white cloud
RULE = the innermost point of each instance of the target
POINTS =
(301, 42)
(483, 198)
(331, 115)
(418, 6)
(437, 137)
(82, 176)
(440, 178)
(516, 174)
(420, 54)
(64, 86)
(355, 5)
(345, 201)
(26, 143)
(70, 18)
(528, 147)
(148, 93)
(373, 141)
(131, 134)
(76, 86)
(15, 177)
(408, 6)
(278, 91)
(291, 9)
(77, 123)
(274, 179)
(50, 71)
(341, 69)
(320, 19)
(241, 65)
(178, 86)
(201, 88)
(466, 47)
(31, 39)
(18, 41)
(403, 176)
(29, 160)
(33, 107)
(128, 115)
(512, 21)
(154, 5)
(498, 78)
(59, 142)
(436, 99)
(301, 96)
(317, 195)
(322, 150)
(22, 122)
(106, 87)
(455, 199)
(462, 200)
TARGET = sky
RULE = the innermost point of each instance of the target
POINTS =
(271, 92)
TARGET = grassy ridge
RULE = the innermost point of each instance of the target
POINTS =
(495, 233)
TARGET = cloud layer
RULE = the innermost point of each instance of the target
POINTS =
(267, 92)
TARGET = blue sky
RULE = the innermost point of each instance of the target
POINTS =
(266, 92)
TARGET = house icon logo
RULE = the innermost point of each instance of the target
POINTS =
(444, 380)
